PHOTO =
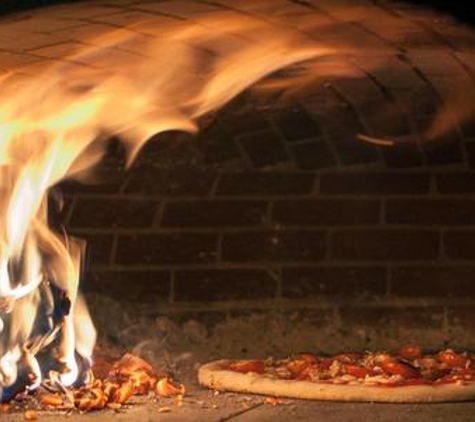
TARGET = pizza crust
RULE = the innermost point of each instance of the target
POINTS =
(215, 375)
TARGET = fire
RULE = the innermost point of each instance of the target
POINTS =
(54, 126)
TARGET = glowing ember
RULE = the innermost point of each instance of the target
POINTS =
(128, 377)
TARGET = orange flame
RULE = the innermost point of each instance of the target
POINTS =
(52, 127)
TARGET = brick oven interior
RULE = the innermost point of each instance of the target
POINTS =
(276, 229)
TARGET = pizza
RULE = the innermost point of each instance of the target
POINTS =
(405, 376)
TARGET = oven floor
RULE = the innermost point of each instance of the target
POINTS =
(203, 406)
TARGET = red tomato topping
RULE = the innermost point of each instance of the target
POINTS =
(356, 371)
(325, 363)
(304, 374)
(452, 359)
(410, 352)
(400, 368)
(246, 366)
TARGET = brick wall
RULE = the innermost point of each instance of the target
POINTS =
(271, 210)
(278, 205)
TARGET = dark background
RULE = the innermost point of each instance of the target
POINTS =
(461, 9)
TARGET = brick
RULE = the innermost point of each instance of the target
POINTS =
(72, 187)
(460, 244)
(470, 148)
(98, 249)
(279, 245)
(313, 155)
(224, 285)
(395, 74)
(177, 8)
(326, 212)
(432, 281)
(430, 212)
(384, 118)
(14, 60)
(343, 137)
(218, 146)
(382, 317)
(385, 244)
(456, 183)
(214, 213)
(255, 183)
(374, 183)
(358, 93)
(42, 23)
(168, 150)
(447, 150)
(418, 40)
(467, 127)
(185, 181)
(420, 103)
(296, 125)
(302, 283)
(109, 213)
(88, 31)
(124, 18)
(139, 287)
(166, 248)
(57, 51)
(436, 62)
(238, 124)
(263, 148)
(403, 156)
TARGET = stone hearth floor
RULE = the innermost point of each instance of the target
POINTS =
(203, 406)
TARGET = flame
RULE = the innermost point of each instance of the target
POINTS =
(52, 127)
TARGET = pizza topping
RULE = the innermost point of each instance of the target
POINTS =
(381, 358)
(410, 352)
(406, 367)
(452, 359)
(335, 368)
(356, 371)
(245, 366)
(426, 362)
(401, 368)
(297, 366)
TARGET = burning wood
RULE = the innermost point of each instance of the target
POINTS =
(128, 377)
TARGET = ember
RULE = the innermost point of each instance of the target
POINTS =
(128, 377)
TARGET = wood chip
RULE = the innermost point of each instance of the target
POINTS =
(51, 400)
(5, 407)
(273, 401)
(31, 415)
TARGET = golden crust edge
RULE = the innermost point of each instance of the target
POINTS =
(214, 375)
